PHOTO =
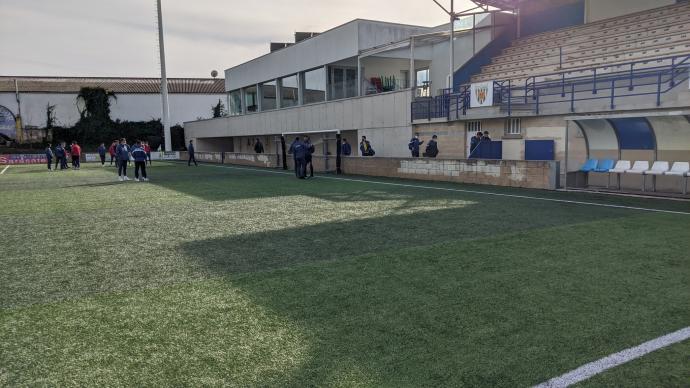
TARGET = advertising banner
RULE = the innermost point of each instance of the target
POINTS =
(23, 159)
(482, 94)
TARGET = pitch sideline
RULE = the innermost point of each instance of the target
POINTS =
(460, 190)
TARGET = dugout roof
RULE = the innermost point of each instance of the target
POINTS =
(113, 84)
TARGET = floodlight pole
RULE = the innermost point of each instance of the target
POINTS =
(453, 16)
(164, 81)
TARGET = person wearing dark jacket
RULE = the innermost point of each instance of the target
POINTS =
(101, 153)
(486, 137)
(123, 153)
(299, 152)
(346, 148)
(307, 159)
(190, 151)
(414, 146)
(432, 148)
(258, 147)
(365, 147)
(474, 142)
(49, 157)
(139, 155)
(60, 156)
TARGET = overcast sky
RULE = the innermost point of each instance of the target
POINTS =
(119, 37)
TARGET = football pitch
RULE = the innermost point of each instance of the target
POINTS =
(216, 275)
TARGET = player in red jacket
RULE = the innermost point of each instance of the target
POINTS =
(112, 151)
(76, 155)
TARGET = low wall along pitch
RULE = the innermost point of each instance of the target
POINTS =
(511, 173)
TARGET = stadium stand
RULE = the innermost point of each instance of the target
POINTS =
(642, 36)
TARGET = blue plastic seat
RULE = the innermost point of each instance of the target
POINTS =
(590, 165)
(604, 165)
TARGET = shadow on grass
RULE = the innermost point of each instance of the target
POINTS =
(408, 307)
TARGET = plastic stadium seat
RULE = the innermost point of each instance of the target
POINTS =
(679, 169)
(658, 168)
(590, 165)
(604, 165)
(621, 167)
(638, 167)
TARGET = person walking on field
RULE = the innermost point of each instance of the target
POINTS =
(139, 155)
(414, 145)
(76, 155)
(123, 152)
(307, 158)
(101, 153)
(49, 157)
(190, 150)
(299, 152)
(113, 152)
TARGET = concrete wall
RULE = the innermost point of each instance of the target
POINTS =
(383, 118)
(536, 175)
(337, 44)
(130, 107)
(604, 9)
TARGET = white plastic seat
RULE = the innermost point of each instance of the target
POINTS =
(658, 168)
(638, 167)
(620, 167)
(679, 169)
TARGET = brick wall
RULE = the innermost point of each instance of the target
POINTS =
(247, 159)
(513, 173)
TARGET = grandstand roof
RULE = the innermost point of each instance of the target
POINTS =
(114, 84)
(502, 4)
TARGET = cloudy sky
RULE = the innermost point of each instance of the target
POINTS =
(119, 37)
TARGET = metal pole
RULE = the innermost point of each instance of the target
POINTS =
(359, 76)
(164, 81)
(565, 185)
(412, 66)
(452, 43)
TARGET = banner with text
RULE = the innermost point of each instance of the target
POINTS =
(482, 94)
(23, 158)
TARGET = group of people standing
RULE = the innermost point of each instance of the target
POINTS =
(61, 154)
(120, 153)
(302, 151)
(478, 139)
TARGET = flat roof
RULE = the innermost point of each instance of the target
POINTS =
(124, 85)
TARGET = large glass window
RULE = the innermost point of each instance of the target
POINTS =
(235, 103)
(343, 82)
(250, 99)
(268, 95)
(289, 91)
(423, 83)
(315, 86)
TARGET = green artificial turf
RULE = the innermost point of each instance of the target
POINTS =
(240, 277)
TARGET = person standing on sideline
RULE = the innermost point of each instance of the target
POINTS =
(346, 148)
(122, 159)
(307, 157)
(113, 152)
(63, 159)
(190, 150)
(432, 148)
(147, 149)
(49, 157)
(299, 152)
(365, 147)
(139, 155)
(101, 153)
(258, 147)
(414, 145)
(76, 155)
(486, 136)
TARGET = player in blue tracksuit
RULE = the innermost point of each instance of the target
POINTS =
(139, 155)
(308, 159)
(49, 157)
(190, 151)
(60, 157)
(299, 152)
(101, 153)
(414, 146)
(122, 153)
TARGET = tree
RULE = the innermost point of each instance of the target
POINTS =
(218, 110)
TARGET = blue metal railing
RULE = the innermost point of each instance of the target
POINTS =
(610, 82)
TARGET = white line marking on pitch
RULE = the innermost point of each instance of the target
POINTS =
(4, 169)
(463, 191)
(594, 368)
